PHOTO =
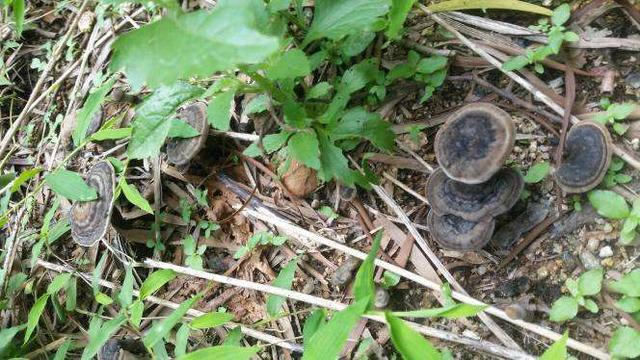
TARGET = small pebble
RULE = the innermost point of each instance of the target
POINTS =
(592, 244)
(608, 228)
(633, 80)
(588, 260)
(481, 270)
(381, 299)
(606, 252)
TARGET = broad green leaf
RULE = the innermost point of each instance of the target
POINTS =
(319, 90)
(58, 283)
(283, 281)
(397, 15)
(219, 110)
(161, 328)
(70, 185)
(125, 296)
(357, 122)
(233, 337)
(34, 315)
(591, 306)
(7, 335)
(590, 282)
(334, 164)
(89, 109)
(390, 279)
(155, 281)
(327, 342)
(629, 284)
(356, 43)
(17, 7)
(133, 195)
(359, 75)
(409, 343)
(278, 5)
(24, 177)
(182, 339)
(211, 320)
(198, 43)
(561, 14)
(554, 39)
(222, 352)
(291, 64)
(313, 323)
(609, 204)
(363, 285)
(180, 129)
(431, 64)
(111, 134)
(570, 36)
(515, 63)
(625, 343)
(137, 308)
(454, 5)
(151, 125)
(621, 111)
(537, 173)
(16, 281)
(400, 71)
(101, 334)
(335, 19)
(628, 304)
(449, 312)
(103, 298)
(303, 146)
(557, 350)
(564, 308)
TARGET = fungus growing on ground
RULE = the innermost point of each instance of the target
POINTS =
(90, 219)
(587, 155)
(455, 233)
(474, 201)
(474, 142)
(181, 151)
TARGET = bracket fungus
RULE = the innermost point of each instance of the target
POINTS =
(181, 151)
(90, 219)
(474, 142)
(455, 233)
(586, 159)
(474, 202)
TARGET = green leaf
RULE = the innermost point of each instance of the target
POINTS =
(222, 352)
(182, 339)
(291, 64)
(211, 320)
(233, 337)
(454, 5)
(621, 111)
(18, 15)
(180, 129)
(312, 324)
(629, 285)
(570, 36)
(555, 39)
(7, 335)
(563, 309)
(359, 123)
(628, 304)
(71, 294)
(327, 342)
(151, 125)
(161, 328)
(454, 311)
(397, 15)
(278, 5)
(359, 75)
(561, 14)
(609, 204)
(34, 316)
(58, 283)
(515, 63)
(197, 43)
(133, 195)
(334, 19)
(537, 172)
(125, 296)
(257, 105)
(137, 308)
(356, 43)
(219, 110)
(319, 90)
(334, 164)
(155, 281)
(590, 282)
(557, 350)
(591, 306)
(400, 71)
(283, 281)
(101, 333)
(572, 286)
(363, 286)
(70, 185)
(111, 134)
(89, 109)
(625, 343)
(431, 64)
(61, 353)
(303, 146)
(390, 279)
(23, 178)
(409, 343)
(103, 298)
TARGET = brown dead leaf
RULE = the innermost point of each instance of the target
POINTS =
(300, 180)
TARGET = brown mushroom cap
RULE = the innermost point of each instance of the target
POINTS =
(90, 219)
(474, 142)
(455, 233)
(181, 151)
(474, 201)
(587, 157)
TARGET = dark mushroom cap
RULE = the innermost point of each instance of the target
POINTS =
(474, 201)
(474, 142)
(587, 157)
(181, 151)
(90, 219)
(455, 233)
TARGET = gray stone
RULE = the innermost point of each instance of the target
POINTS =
(588, 260)
(606, 252)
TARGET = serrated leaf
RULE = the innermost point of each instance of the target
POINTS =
(334, 164)
(431, 64)
(319, 90)
(70, 185)
(565, 308)
(557, 350)
(629, 285)
(291, 64)
(621, 111)
(409, 343)
(151, 125)
(222, 352)
(89, 109)
(625, 343)
(219, 110)
(180, 129)
(358, 122)
(397, 15)
(454, 5)
(257, 104)
(161, 328)
(609, 204)
(303, 146)
(100, 334)
(590, 282)
(34, 316)
(155, 281)
(335, 19)
(133, 195)
(515, 63)
(197, 43)
(537, 173)
(210, 320)
(561, 14)
(111, 134)
(363, 285)
(283, 281)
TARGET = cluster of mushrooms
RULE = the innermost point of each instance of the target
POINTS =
(471, 187)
